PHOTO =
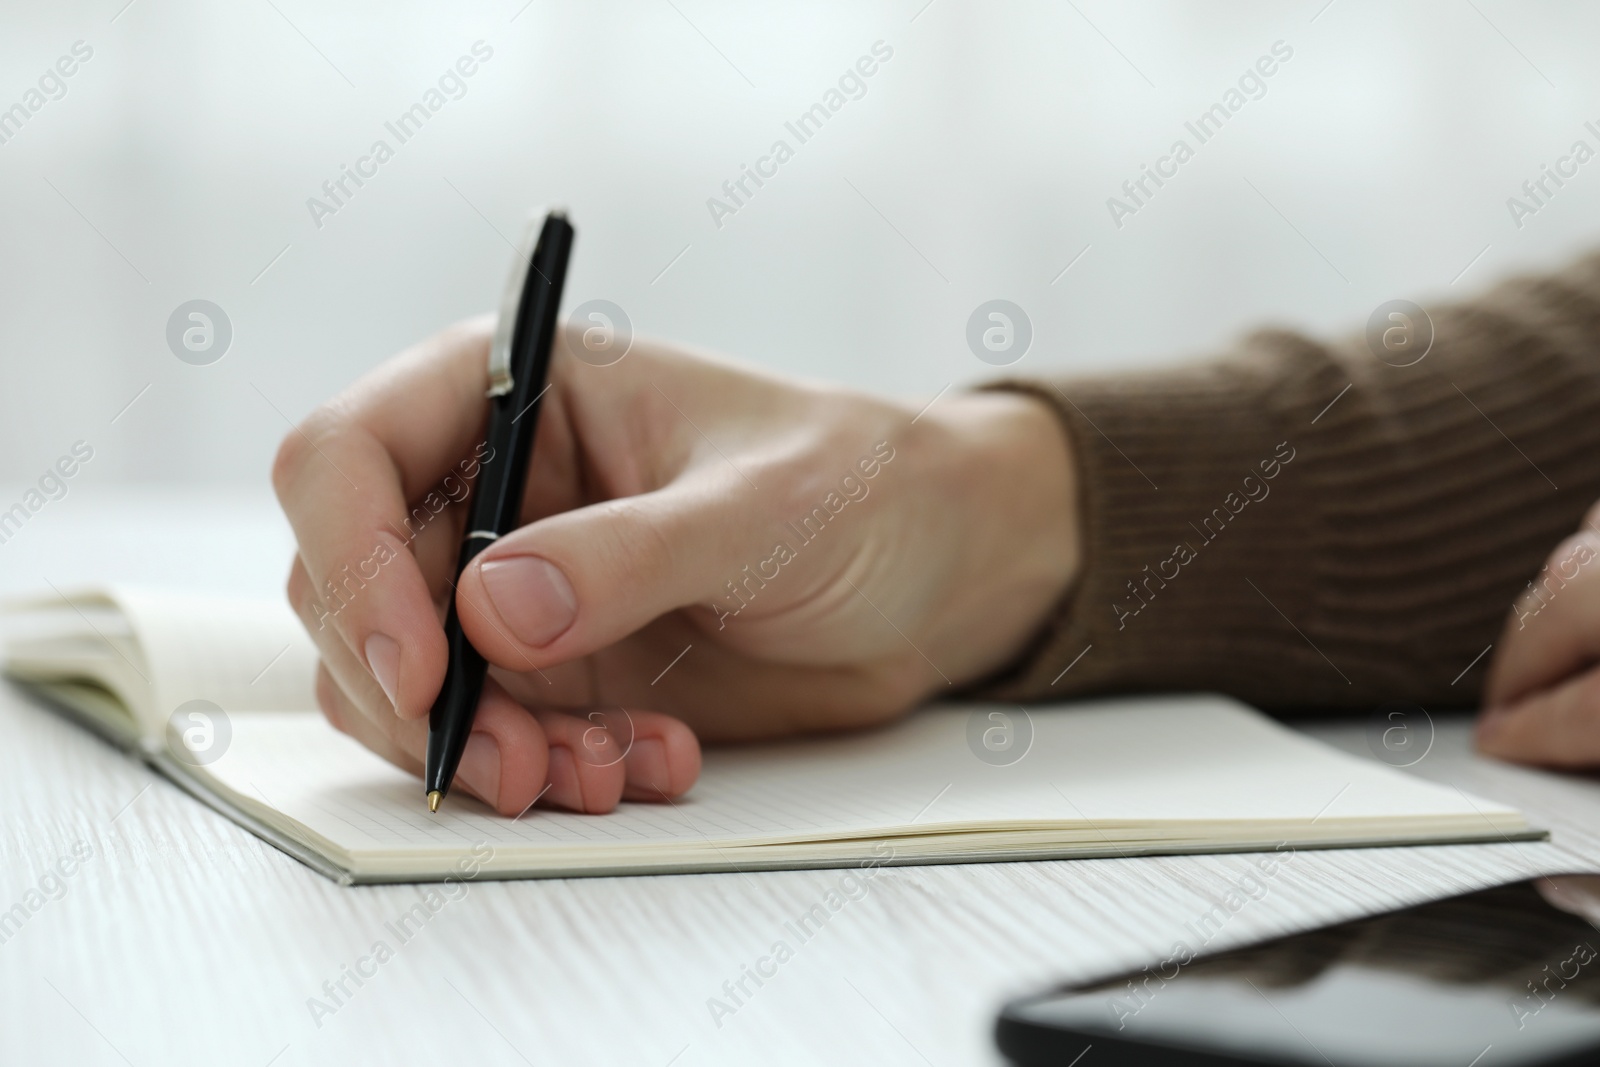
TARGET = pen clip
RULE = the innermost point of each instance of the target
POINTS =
(510, 301)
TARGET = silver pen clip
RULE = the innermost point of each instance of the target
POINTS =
(505, 329)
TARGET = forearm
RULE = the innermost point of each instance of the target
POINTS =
(1298, 523)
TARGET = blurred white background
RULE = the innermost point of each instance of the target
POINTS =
(977, 165)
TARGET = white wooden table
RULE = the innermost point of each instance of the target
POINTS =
(183, 939)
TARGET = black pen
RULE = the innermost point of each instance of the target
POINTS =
(519, 363)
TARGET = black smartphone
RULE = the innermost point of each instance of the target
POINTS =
(1496, 978)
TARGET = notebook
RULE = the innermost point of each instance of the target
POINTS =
(948, 784)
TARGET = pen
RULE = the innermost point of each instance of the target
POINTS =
(519, 363)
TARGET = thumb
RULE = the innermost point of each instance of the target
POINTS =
(573, 583)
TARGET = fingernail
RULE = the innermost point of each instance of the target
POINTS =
(480, 765)
(647, 766)
(383, 660)
(565, 790)
(532, 596)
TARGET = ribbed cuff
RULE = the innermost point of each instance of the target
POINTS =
(1305, 525)
(1195, 520)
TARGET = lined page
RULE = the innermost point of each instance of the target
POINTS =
(1111, 767)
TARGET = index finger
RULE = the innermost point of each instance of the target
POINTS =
(345, 478)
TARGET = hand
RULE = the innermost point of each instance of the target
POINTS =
(708, 551)
(1542, 700)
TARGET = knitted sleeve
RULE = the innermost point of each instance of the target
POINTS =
(1301, 522)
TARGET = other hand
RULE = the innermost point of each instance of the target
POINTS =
(1542, 699)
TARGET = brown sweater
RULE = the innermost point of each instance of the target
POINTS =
(1300, 524)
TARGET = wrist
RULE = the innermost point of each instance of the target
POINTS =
(1007, 467)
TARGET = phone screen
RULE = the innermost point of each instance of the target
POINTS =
(1494, 978)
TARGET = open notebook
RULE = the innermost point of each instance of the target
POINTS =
(1108, 778)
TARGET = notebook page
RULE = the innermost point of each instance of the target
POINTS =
(1126, 763)
(54, 641)
(242, 655)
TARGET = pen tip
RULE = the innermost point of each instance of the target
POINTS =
(434, 797)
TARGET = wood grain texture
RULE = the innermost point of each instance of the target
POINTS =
(185, 940)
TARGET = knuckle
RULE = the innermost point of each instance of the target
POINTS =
(471, 333)
(644, 547)
(298, 587)
(1561, 553)
(299, 447)
(1573, 553)
(288, 460)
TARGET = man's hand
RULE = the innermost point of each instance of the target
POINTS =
(707, 551)
(1542, 700)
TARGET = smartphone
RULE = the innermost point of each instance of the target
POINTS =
(1495, 978)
